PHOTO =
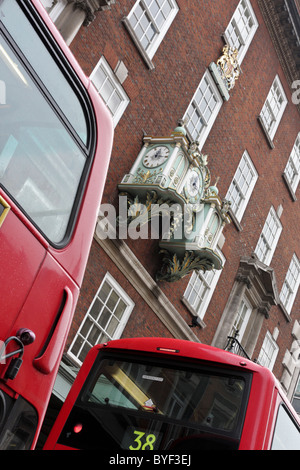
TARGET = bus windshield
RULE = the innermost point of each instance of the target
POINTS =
(44, 135)
(143, 405)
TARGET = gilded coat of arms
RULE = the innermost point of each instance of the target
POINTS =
(228, 66)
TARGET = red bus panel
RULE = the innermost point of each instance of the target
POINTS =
(55, 143)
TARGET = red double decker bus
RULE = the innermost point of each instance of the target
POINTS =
(55, 144)
(171, 395)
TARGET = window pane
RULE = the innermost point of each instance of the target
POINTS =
(286, 434)
(241, 320)
(106, 90)
(104, 292)
(114, 102)
(111, 328)
(41, 164)
(120, 309)
(150, 20)
(273, 108)
(112, 301)
(110, 89)
(203, 109)
(241, 28)
(200, 289)
(269, 237)
(96, 308)
(77, 345)
(47, 69)
(196, 404)
(166, 8)
(86, 326)
(292, 169)
(291, 283)
(94, 335)
(105, 318)
(268, 352)
(99, 78)
(153, 8)
(84, 351)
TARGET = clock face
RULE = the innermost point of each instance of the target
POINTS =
(194, 185)
(156, 156)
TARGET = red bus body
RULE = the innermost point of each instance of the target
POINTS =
(40, 280)
(264, 399)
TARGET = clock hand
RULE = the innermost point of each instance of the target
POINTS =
(194, 183)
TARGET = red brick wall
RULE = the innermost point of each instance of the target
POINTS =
(158, 99)
(143, 322)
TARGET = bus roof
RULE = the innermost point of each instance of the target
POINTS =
(185, 348)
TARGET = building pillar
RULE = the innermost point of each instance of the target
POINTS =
(256, 283)
(70, 21)
(78, 13)
(221, 336)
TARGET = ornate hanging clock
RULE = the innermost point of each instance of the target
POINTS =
(156, 156)
(170, 177)
(193, 188)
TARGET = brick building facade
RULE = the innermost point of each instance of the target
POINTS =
(150, 61)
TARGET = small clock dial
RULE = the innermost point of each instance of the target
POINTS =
(194, 185)
(156, 156)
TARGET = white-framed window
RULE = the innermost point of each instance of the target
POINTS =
(241, 320)
(203, 109)
(105, 319)
(149, 21)
(269, 237)
(292, 169)
(241, 28)
(242, 185)
(291, 283)
(296, 397)
(268, 353)
(110, 89)
(200, 289)
(273, 108)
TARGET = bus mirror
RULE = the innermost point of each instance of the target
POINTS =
(26, 336)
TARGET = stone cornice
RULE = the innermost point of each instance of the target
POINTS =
(261, 278)
(90, 7)
(283, 23)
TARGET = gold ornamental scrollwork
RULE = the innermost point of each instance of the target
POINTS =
(146, 176)
(175, 268)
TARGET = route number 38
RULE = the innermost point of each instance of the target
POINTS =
(143, 441)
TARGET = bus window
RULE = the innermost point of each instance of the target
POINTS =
(286, 434)
(46, 67)
(42, 158)
(21, 425)
(139, 405)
